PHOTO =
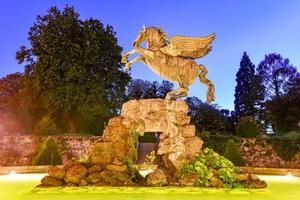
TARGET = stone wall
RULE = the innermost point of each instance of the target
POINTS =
(16, 150)
(262, 154)
(19, 150)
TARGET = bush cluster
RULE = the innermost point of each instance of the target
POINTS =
(208, 164)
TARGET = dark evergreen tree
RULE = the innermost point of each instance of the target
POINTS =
(248, 91)
(281, 81)
(276, 74)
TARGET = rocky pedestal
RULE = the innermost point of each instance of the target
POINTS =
(178, 143)
(112, 158)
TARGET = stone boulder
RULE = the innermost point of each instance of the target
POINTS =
(116, 168)
(94, 177)
(114, 178)
(56, 172)
(189, 179)
(157, 178)
(95, 168)
(216, 182)
(75, 173)
(49, 181)
(70, 163)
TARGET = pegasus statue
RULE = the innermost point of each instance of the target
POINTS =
(173, 59)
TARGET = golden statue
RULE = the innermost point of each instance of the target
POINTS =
(173, 59)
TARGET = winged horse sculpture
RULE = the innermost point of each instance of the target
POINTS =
(173, 59)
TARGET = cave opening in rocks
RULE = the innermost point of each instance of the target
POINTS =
(147, 144)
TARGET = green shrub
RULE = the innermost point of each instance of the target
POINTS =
(285, 148)
(247, 127)
(209, 162)
(48, 154)
(217, 142)
(293, 135)
(46, 127)
(233, 153)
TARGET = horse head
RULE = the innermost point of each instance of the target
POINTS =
(153, 35)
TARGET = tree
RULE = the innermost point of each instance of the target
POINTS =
(248, 91)
(206, 117)
(281, 82)
(284, 111)
(46, 127)
(73, 71)
(140, 89)
(13, 118)
(247, 127)
(276, 74)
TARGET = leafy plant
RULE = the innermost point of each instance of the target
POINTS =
(132, 167)
(48, 154)
(150, 158)
(208, 164)
(233, 153)
(134, 142)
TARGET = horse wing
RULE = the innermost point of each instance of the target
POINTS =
(191, 47)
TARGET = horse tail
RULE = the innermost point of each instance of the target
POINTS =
(210, 94)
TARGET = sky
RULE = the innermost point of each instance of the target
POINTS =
(258, 27)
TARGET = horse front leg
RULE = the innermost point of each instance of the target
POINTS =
(127, 65)
(177, 93)
(146, 53)
(125, 56)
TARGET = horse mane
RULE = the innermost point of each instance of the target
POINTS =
(161, 32)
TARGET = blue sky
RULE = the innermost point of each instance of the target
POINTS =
(255, 26)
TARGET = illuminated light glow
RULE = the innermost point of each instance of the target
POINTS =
(288, 177)
(13, 176)
(145, 172)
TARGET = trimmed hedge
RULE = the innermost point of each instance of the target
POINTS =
(232, 153)
(48, 154)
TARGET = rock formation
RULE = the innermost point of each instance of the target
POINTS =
(113, 157)
(178, 143)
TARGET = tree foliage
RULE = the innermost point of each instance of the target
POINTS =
(248, 91)
(281, 82)
(73, 71)
(284, 111)
(277, 74)
(13, 118)
(207, 117)
(247, 127)
(46, 126)
(140, 89)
